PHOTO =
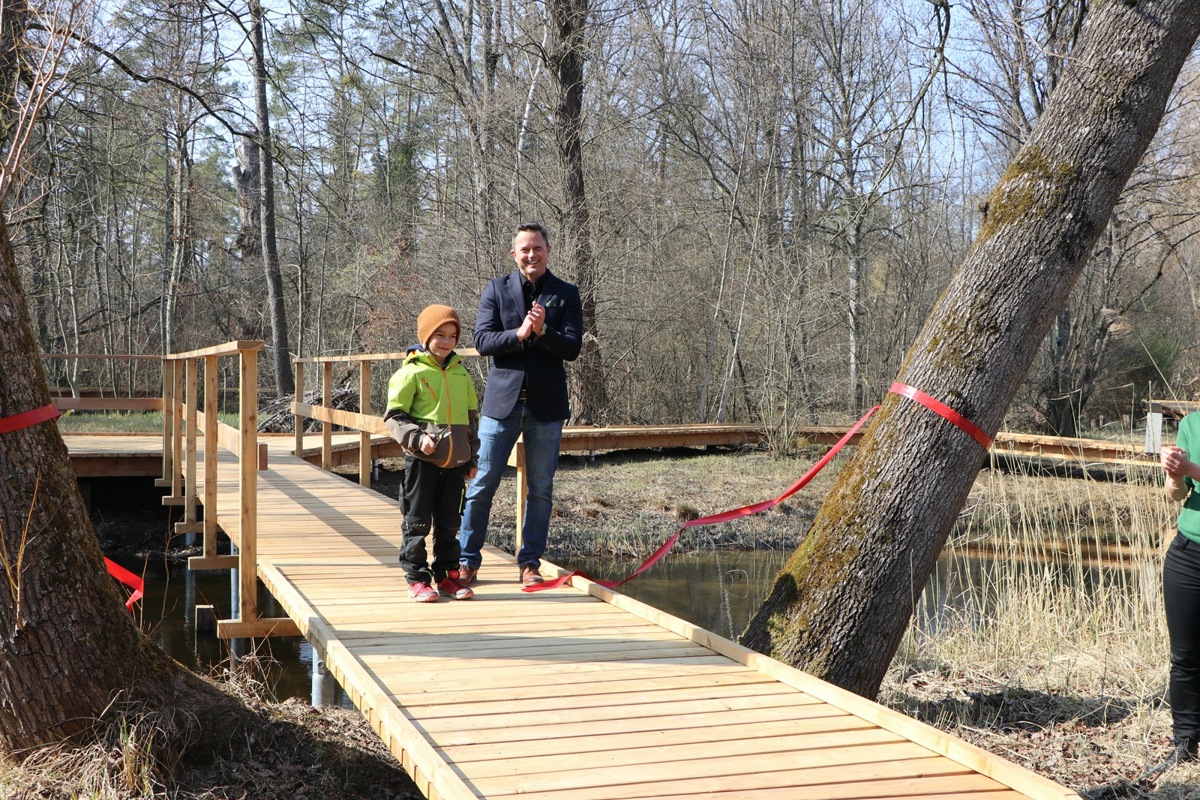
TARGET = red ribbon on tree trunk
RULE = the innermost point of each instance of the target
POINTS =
(724, 516)
(126, 577)
(944, 411)
(28, 418)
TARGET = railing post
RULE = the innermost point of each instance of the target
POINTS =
(297, 420)
(211, 373)
(326, 428)
(168, 412)
(522, 493)
(191, 367)
(248, 486)
(176, 431)
(364, 438)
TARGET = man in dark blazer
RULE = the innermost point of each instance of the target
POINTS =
(530, 322)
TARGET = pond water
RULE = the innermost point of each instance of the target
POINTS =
(719, 591)
(168, 614)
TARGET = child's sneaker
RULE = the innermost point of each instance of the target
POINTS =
(452, 587)
(422, 593)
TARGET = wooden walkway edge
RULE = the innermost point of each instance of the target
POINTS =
(579, 692)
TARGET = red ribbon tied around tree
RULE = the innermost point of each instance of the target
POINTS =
(724, 516)
(28, 418)
(126, 577)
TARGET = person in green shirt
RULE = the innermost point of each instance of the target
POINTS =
(433, 412)
(1181, 591)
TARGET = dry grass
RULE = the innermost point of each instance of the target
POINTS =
(1047, 658)
(1057, 657)
(291, 752)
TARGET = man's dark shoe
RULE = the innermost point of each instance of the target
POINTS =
(530, 576)
(467, 573)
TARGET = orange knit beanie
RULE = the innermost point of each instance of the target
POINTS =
(434, 317)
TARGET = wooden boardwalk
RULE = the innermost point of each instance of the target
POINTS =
(578, 692)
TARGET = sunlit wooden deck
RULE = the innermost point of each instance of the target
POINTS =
(578, 692)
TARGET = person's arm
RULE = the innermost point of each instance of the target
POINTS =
(491, 337)
(403, 428)
(566, 341)
(1179, 467)
(473, 464)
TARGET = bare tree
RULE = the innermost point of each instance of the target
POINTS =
(589, 398)
(69, 650)
(841, 604)
(276, 308)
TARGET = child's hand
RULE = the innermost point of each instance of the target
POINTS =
(428, 445)
(471, 473)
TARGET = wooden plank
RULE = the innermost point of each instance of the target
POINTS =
(108, 403)
(714, 766)
(786, 785)
(257, 628)
(617, 739)
(720, 717)
(227, 349)
(624, 760)
(212, 562)
(628, 702)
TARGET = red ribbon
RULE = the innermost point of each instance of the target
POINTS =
(944, 411)
(724, 516)
(29, 418)
(126, 577)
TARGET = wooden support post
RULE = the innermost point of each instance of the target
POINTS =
(211, 369)
(177, 433)
(188, 525)
(364, 438)
(298, 420)
(518, 460)
(326, 428)
(248, 488)
(168, 412)
(1154, 424)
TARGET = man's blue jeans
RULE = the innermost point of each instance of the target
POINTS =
(497, 437)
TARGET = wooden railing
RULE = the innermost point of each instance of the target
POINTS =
(368, 425)
(94, 399)
(363, 421)
(183, 420)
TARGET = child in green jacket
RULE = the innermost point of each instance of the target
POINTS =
(433, 412)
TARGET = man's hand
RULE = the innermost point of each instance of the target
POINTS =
(428, 445)
(533, 322)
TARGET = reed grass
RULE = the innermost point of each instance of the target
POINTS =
(1056, 643)
(120, 421)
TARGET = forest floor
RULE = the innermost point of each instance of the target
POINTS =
(1097, 742)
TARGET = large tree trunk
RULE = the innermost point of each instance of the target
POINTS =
(285, 383)
(841, 604)
(589, 399)
(69, 651)
(68, 648)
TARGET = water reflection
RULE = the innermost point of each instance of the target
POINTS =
(719, 591)
(168, 614)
